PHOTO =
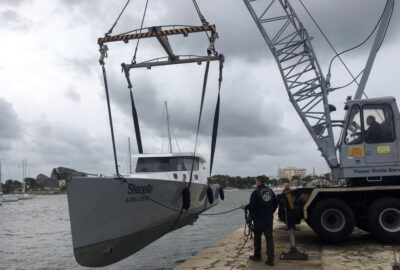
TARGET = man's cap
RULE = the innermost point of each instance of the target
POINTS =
(261, 178)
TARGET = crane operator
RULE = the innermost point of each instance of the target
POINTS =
(262, 206)
(374, 132)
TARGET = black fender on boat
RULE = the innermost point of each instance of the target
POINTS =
(186, 198)
(221, 193)
(210, 195)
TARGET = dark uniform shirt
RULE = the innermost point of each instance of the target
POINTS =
(262, 204)
(374, 133)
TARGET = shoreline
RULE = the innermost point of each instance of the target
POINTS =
(47, 192)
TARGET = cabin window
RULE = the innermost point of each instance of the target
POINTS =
(167, 164)
(353, 131)
(378, 123)
(175, 176)
(196, 177)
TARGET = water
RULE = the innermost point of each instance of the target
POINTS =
(36, 234)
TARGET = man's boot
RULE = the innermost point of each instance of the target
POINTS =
(269, 262)
(255, 257)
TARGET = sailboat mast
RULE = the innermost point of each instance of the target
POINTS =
(23, 175)
(1, 183)
(169, 128)
(130, 156)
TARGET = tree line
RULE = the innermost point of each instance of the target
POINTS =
(249, 181)
(12, 186)
(240, 182)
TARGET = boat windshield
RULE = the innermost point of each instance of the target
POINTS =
(167, 164)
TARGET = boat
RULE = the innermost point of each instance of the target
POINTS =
(112, 218)
(10, 198)
(23, 196)
(1, 187)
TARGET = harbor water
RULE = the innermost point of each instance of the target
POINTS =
(36, 234)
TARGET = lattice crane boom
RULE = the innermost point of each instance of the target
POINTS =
(290, 44)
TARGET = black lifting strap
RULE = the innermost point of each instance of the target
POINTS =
(109, 111)
(134, 112)
(203, 93)
(216, 115)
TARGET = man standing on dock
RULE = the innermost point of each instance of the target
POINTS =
(262, 206)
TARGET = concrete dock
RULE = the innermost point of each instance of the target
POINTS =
(360, 252)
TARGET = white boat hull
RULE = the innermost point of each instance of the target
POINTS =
(24, 197)
(10, 198)
(111, 219)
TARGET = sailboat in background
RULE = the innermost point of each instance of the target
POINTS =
(5, 198)
(1, 187)
(22, 195)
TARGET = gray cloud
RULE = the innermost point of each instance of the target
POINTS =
(8, 15)
(65, 146)
(72, 94)
(258, 132)
(14, 3)
(9, 122)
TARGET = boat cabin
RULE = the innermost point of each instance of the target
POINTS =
(178, 164)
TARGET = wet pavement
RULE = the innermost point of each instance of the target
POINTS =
(362, 251)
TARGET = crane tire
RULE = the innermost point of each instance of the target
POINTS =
(384, 219)
(333, 220)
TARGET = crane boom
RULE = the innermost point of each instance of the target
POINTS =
(290, 44)
(375, 47)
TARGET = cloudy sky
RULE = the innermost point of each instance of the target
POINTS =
(52, 102)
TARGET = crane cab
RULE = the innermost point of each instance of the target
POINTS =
(370, 140)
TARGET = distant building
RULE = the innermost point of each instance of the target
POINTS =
(289, 172)
(62, 184)
(62, 173)
(46, 182)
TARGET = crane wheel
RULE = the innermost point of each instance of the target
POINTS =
(333, 220)
(384, 219)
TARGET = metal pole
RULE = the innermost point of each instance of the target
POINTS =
(375, 47)
(130, 156)
(169, 129)
(292, 238)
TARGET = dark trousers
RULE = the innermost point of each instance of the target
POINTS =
(260, 227)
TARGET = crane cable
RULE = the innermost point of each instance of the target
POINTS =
(326, 38)
(350, 49)
(202, 19)
(116, 21)
(352, 81)
(363, 42)
(140, 31)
